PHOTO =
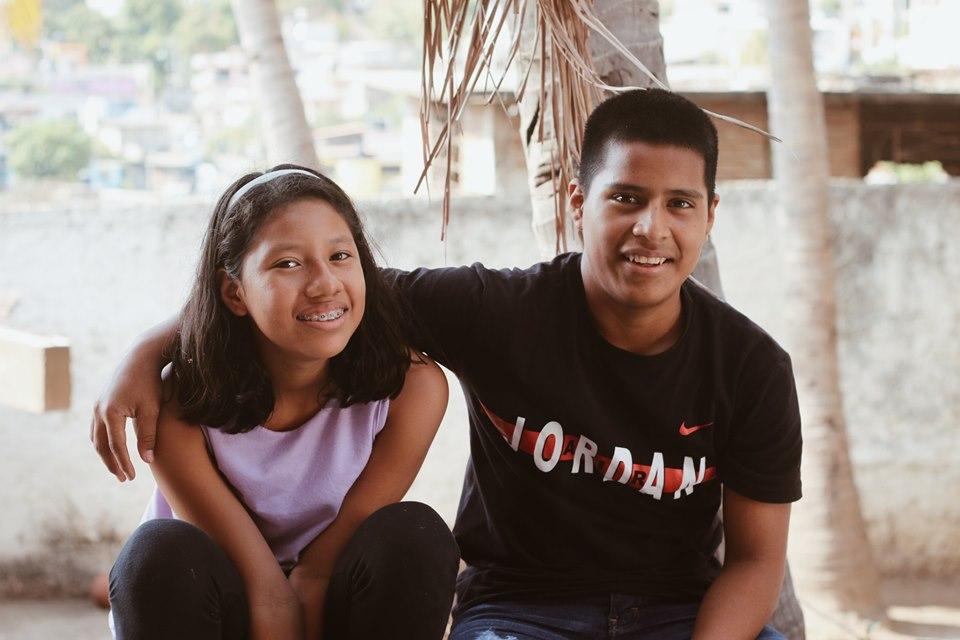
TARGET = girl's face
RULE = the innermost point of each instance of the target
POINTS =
(301, 283)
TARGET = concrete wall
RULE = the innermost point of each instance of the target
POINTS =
(898, 322)
(100, 274)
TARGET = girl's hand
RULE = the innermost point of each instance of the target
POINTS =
(312, 594)
(135, 392)
(276, 616)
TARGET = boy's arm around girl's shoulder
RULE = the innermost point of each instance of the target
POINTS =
(443, 306)
(199, 495)
(398, 452)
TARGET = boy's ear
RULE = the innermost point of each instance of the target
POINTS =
(712, 211)
(231, 292)
(575, 198)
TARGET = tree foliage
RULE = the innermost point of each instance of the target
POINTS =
(205, 27)
(144, 33)
(74, 21)
(49, 149)
(154, 31)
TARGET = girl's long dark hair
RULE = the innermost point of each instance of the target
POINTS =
(220, 381)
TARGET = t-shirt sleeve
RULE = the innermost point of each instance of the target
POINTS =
(762, 456)
(443, 305)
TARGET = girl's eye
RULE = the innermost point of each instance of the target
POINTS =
(340, 256)
(287, 264)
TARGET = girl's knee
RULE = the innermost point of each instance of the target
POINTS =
(165, 579)
(413, 534)
(420, 528)
(159, 555)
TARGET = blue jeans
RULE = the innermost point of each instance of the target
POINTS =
(617, 617)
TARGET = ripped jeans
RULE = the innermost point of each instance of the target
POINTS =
(615, 617)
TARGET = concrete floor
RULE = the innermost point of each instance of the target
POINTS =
(918, 609)
(49, 619)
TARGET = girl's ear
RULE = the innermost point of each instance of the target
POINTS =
(231, 292)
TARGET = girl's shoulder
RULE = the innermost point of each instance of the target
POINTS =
(170, 410)
(423, 371)
(425, 383)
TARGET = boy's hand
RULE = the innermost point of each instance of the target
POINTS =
(135, 392)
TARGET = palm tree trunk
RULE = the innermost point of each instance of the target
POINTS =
(832, 560)
(286, 134)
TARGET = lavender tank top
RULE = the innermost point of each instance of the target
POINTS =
(293, 482)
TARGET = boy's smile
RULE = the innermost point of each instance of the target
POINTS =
(643, 220)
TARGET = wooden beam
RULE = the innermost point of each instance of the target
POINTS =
(34, 371)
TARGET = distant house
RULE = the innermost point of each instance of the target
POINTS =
(16, 109)
(171, 173)
(486, 155)
(222, 90)
(863, 127)
(148, 150)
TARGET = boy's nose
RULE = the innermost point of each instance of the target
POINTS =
(650, 223)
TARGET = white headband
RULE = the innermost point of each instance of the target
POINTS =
(267, 177)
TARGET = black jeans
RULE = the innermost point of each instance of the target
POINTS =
(395, 579)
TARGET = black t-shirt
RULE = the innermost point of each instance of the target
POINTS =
(594, 470)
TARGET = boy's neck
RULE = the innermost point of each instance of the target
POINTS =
(645, 332)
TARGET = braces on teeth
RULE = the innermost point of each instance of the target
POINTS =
(326, 316)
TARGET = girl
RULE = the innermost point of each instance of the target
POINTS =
(297, 421)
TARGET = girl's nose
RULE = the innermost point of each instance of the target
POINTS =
(323, 282)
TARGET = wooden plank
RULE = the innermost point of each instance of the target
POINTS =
(34, 371)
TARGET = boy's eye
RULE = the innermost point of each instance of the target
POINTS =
(624, 198)
(339, 256)
(681, 204)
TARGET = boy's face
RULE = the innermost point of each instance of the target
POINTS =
(643, 222)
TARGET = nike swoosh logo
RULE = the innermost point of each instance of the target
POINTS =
(686, 431)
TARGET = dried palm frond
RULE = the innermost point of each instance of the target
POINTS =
(459, 38)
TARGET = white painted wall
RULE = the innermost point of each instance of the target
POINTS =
(100, 274)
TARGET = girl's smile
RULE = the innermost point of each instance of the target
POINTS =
(328, 320)
(322, 316)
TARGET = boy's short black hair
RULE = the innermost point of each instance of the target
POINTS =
(653, 116)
